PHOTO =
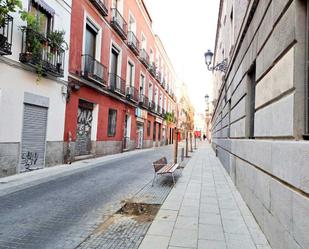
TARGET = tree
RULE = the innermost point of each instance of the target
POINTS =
(7, 6)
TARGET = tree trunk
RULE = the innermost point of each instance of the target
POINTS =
(175, 145)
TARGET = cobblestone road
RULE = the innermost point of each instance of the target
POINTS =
(62, 213)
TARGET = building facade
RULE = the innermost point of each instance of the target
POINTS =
(121, 82)
(33, 76)
(260, 118)
(81, 79)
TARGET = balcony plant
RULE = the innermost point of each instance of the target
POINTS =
(35, 42)
(56, 41)
(169, 117)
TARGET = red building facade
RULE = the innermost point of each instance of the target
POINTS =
(121, 83)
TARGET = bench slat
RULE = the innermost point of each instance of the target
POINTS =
(170, 168)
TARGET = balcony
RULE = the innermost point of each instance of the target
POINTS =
(132, 93)
(93, 70)
(37, 52)
(163, 82)
(101, 6)
(167, 88)
(6, 33)
(158, 76)
(117, 84)
(133, 43)
(144, 58)
(152, 106)
(119, 24)
(159, 109)
(143, 101)
(152, 69)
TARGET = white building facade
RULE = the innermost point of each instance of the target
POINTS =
(260, 120)
(33, 89)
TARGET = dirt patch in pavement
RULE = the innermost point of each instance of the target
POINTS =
(140, 212)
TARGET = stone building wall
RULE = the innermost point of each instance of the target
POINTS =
(258, 123)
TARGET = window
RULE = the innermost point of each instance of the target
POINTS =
(150, 92)
(250, 102)
(130, 76)
(151, 57)
(156, 96)
(118, 4)
(90, 39)
(144, 42)
(112, 122)
(132, 24)
(148, 128)
(142, 84)
(154, 134)
(114, 61)
(161, 100)
(231, 30)
(44, 18)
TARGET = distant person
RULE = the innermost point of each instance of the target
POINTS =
(204, 137)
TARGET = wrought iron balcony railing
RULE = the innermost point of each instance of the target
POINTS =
(159, 109)
(152, 106)
(144, 58)
(132, 93)
(143, 101)
(167, 88)
(37, 52)
(163, 82)
(158, 76)
(101, 6)
(93, 70)
(133, 43)
(153, 69)
(119, 24)
(117, 84)
(6, 34)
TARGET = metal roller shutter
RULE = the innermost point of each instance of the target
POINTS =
(33, 137)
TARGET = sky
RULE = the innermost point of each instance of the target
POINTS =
(187, 29)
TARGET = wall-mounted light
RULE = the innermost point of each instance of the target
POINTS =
(222, 66)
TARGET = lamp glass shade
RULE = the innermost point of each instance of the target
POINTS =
(208, 57)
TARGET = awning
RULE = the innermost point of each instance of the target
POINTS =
(42, 4)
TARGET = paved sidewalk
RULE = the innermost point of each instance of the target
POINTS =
(204, 211)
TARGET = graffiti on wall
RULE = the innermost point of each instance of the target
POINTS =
(83, 132)
(29, 159)
(84, 122)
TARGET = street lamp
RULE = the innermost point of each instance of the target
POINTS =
(222, 66)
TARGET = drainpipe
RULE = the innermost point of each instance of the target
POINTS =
(306, 135)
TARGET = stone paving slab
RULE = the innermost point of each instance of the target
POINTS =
(204, 211)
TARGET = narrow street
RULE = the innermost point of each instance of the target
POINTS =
(61, 213)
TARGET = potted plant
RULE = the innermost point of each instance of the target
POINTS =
(56, 41)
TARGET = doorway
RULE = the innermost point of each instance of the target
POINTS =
(140, 135)
(83, 131)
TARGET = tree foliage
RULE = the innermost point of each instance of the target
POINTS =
(7, 6)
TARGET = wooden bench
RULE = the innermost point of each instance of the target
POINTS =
(161, 167)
